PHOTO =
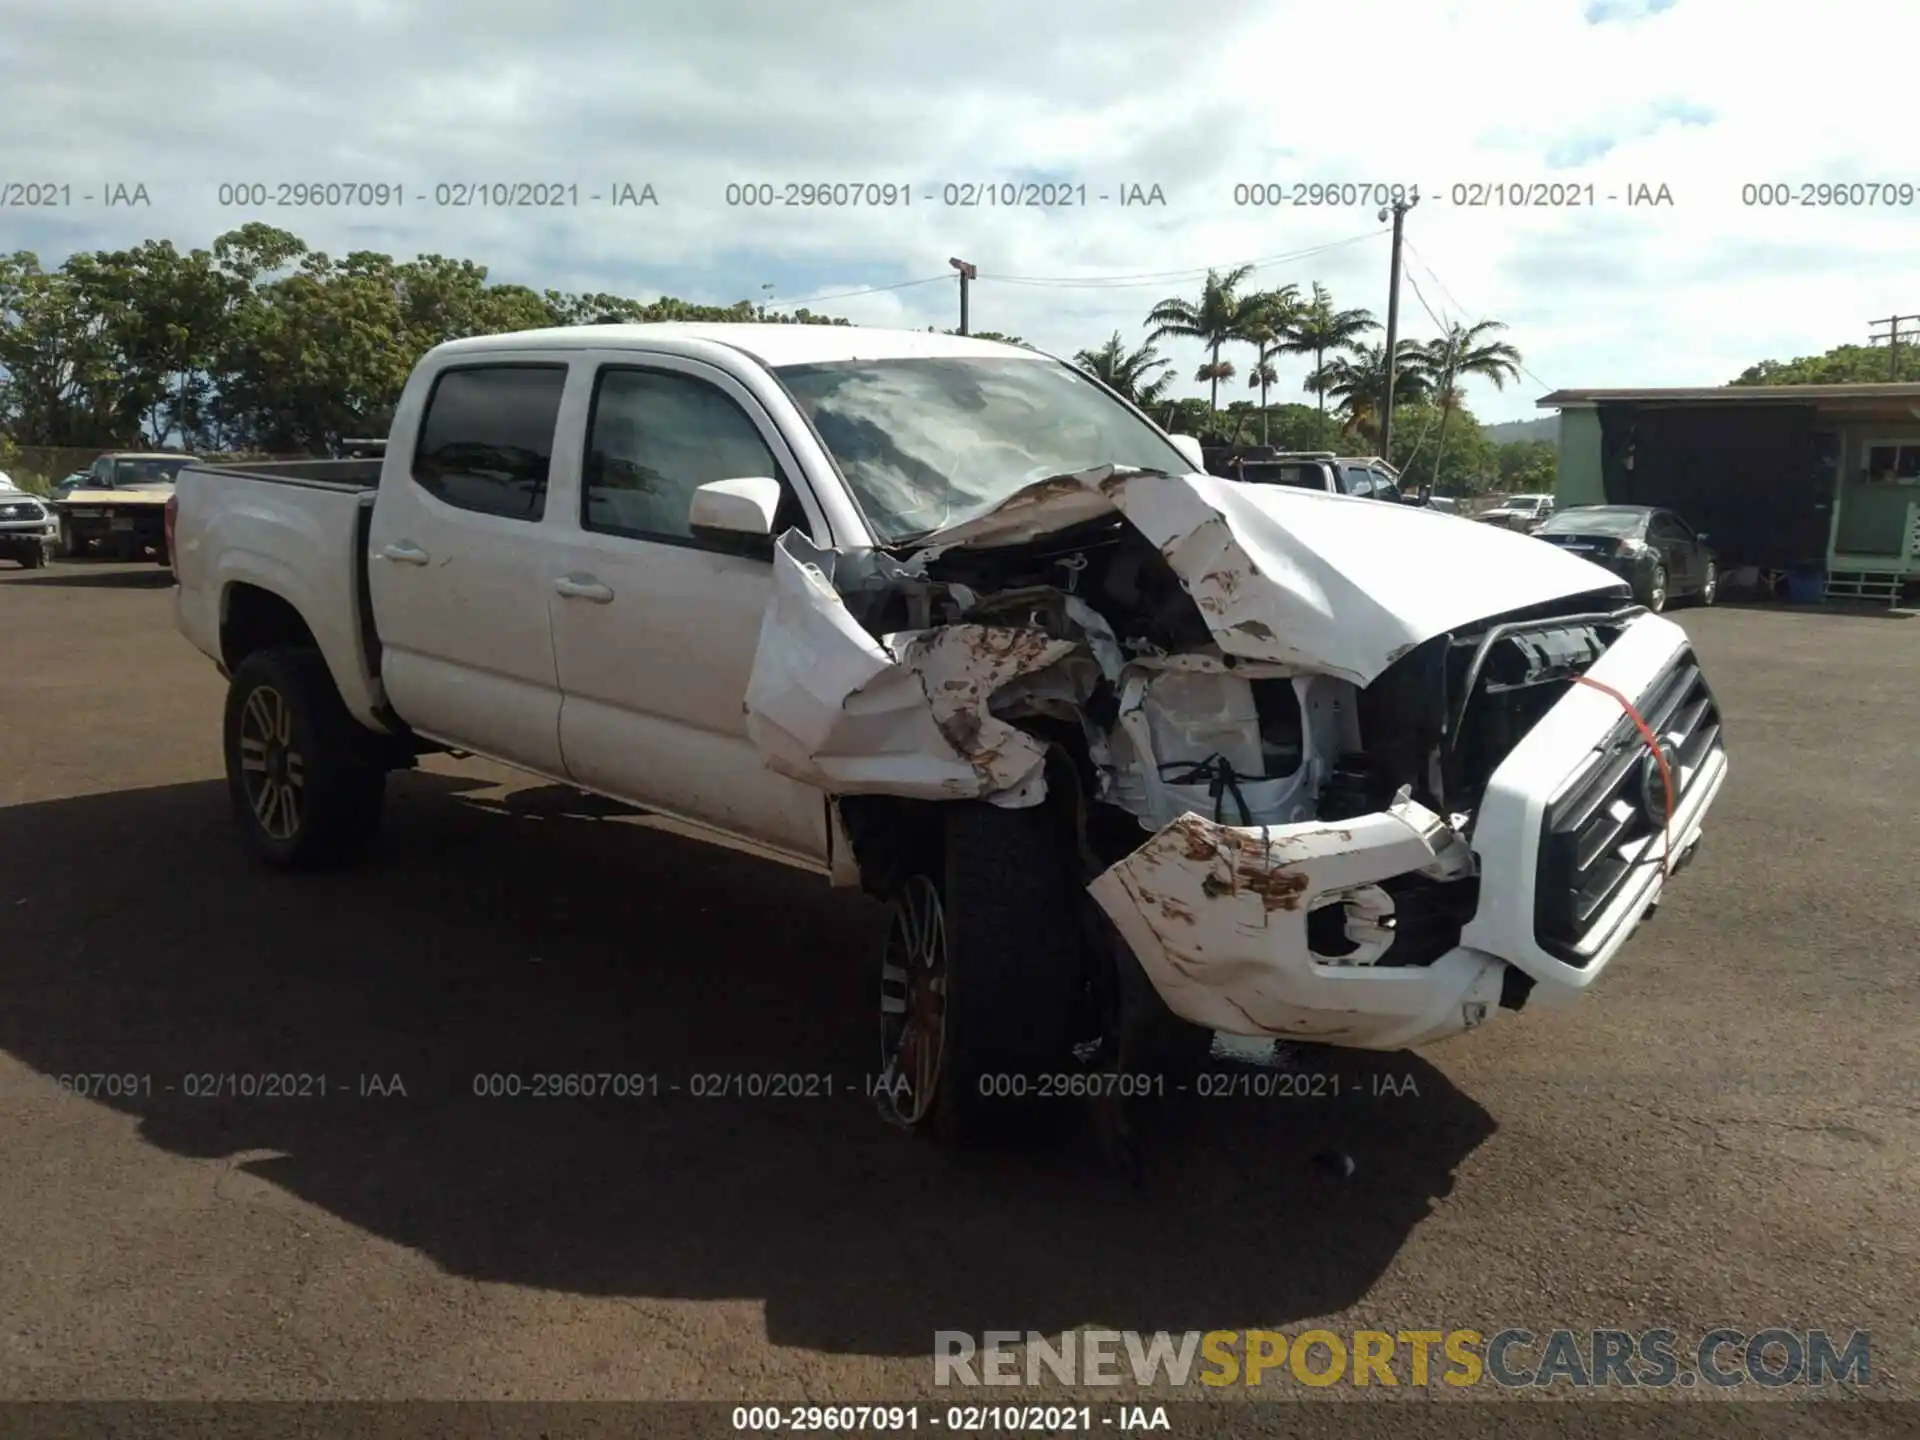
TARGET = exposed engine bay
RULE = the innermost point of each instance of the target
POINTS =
(1326, 800)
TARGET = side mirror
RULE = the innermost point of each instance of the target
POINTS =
(1189, 447)
(736, 507)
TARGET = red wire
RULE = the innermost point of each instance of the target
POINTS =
(1659, 758)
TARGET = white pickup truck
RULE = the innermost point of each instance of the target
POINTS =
(1132, 753)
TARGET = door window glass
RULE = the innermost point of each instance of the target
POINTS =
(655, 437)
(486, 440)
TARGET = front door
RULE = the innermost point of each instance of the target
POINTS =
(461, 564)
(656, 628)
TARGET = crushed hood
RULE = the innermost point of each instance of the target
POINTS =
(1305, 582)
(1328, 583)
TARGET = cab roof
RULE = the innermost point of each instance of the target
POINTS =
(772, 344)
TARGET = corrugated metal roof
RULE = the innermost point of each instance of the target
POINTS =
(1902, 391)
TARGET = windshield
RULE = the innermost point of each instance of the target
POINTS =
(929, 443)
(147, 472)
(1593, 522)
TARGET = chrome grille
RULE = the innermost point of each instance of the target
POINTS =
(1603, 826)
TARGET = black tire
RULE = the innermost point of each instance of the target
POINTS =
(1006, 906)
(321, 756)
(71, 545)
(33, 557)
(1710, 587)
(1654, 595)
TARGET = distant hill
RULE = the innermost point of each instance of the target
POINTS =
(1512, 431)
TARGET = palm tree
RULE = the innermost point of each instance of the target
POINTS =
(1318, 328)
(1269, 324)
(1461, 352)
(1222, 315)
(1127, 371)
(1359, 382)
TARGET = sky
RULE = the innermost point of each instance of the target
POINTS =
(1218, 105)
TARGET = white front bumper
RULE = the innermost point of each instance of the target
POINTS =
(1216, 914)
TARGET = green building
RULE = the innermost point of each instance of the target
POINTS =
(1782, 477)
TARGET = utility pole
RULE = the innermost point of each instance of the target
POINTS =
(967, 272)
(1892, 337)
(1398, 210)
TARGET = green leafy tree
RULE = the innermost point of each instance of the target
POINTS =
(1466, 351)
(258, 343)
(1359, 383)
(1274, 313)
(1318, 329)
(1527, 467)
(1843, 365)
(1139, 374)
(1222, 315)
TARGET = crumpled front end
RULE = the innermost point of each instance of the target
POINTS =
(1290, 707)
(1227, 922)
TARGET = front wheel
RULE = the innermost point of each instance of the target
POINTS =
(1654, 597)
(307, 785)
(980, 976)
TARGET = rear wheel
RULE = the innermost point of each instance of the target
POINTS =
(980, 976)
(71, 545)
(1710, 587)
(307, 784)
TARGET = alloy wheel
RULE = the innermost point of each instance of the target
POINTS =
(913, 1003)
(272, 770)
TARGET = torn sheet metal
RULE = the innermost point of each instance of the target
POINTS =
(1217, 915)
(907, 714)
(1320, 582)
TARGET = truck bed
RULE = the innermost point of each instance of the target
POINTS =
(356, 474)
(292, 528)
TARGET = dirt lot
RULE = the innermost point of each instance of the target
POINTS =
(1724, 1134)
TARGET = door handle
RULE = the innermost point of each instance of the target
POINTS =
(583, 587)
(406, 552)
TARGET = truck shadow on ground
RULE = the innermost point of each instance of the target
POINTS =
(80, 575)
(484, 940)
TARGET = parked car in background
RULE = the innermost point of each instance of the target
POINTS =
(1520, 512)
(26, 526)
(1445, 504)
(120, 508)
(1363, 476)
(1654, 550)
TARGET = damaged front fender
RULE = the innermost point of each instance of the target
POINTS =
(1217, 916)
(904, 714)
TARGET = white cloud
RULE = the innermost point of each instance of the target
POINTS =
(1701, 96)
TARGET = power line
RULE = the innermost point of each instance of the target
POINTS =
(1098, 282)
(1437, 280)
(870, 290)
(1433, 276)
(1444, 327)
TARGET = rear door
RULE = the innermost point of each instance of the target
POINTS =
(462, 558)
(656, 627)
